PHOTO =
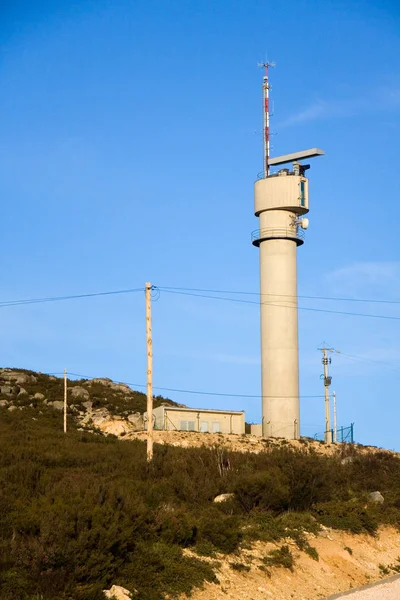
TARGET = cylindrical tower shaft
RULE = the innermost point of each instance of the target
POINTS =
(279, 337)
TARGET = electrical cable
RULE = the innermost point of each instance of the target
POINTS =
(334, 298)
(58, 298)
(201, 393)
(306, 308)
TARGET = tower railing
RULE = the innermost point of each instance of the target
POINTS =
(279, 233)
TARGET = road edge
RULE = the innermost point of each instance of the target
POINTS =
(363, 587)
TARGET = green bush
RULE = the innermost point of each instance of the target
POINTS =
(346, 515)
(282, 557)
(80, 512)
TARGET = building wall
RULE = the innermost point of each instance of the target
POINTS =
(201, 421)
(256, 429)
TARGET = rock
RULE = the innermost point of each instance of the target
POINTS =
(376, 497)
(12, 408)
(137, 421)
(79, 392)
(16, 377)
(7, 390)
(347, 460)
(224, 498)
(57, 404)
(39, 396)
(88, 405)
(22, 392)
(4, 403)
(119, 593)
(119, 387)
(52, 378)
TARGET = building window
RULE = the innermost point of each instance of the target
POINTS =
(187, 426)
(216, 427)
(302, 193)
(204, 426)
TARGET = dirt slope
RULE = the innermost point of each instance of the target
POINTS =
(337, 569)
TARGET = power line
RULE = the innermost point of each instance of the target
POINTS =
(306, 308)
(334, 298)
(180, 391)
(58, 298)
(367, 360)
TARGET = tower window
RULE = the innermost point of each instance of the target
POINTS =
(302, 193)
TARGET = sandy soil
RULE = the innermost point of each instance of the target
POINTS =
(337, 570)
(238, 443)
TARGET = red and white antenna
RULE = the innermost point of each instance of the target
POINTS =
(266, 136)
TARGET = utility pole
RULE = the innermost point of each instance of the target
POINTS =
(65, 400)
(149, 374)
(334, 419)
(327, 382)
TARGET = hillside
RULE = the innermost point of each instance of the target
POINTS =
(82, 512)
(91, 402)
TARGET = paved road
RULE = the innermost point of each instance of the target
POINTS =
(388, 590)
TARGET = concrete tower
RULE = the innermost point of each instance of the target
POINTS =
(281, 200)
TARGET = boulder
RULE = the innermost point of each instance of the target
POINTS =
(7, 390)
(57, 404)
(347, 460)
(88, 405)
(119, 387)
(16, 377)
(4, 403)
(376, 497)
(136, 419)
(116, 592)
(22, 392)
(12, 408)
(224, 498)
(79, 392)
(39, 396)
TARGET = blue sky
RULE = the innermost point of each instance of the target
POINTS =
(130, 138)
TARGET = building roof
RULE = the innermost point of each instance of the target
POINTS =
(206, 410)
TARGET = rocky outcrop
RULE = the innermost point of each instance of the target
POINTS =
(57, 404)
(223, 498)
(116, 592)
(137, 421)
(8, 390)
(79, 392)
(119, 387)
(16, 377)
(376, 497)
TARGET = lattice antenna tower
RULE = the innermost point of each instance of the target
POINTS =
(266, 114)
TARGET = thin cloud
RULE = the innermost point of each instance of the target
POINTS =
(361, 276)
(382, 99)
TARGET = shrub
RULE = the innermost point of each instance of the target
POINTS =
(282, 557)
(350, 516)
(237, 566)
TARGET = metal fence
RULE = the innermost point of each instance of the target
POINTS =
(345, 435)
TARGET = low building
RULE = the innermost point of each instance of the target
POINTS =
(203, 420)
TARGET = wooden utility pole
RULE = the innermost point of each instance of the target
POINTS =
(334, 419)
(149, 374)
(65, 400)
